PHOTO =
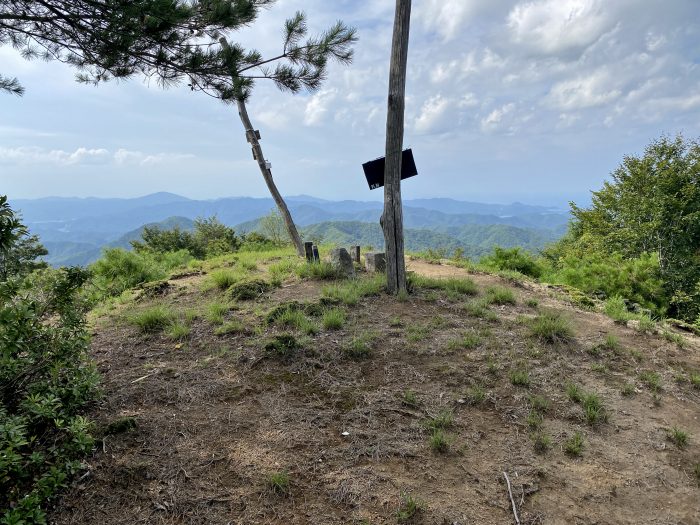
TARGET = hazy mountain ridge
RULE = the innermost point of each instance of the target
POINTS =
(75, 230)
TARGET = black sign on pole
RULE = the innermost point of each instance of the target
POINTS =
(374, 170)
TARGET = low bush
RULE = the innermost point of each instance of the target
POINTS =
(513, 259)
(46, 381)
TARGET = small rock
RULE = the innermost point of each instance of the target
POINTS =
(340, 259)
(375, 261)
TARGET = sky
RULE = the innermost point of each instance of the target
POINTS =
(536, 101)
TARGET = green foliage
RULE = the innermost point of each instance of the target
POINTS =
(234, 326)
(440, 441)
(119, 270)
(678, 437)
(178, 331)
(361, 346)
(651, 206)
(210, 238)
(46, 380)
(443, 420)
(542, 442)
(283, 346)
(272, 226)
(513, 259)
(519, 377)
(19, 250)
(637, 279)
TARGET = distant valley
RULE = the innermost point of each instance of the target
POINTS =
(75, 231)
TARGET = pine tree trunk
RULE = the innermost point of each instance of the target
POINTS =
(392, 222)
(267, 175)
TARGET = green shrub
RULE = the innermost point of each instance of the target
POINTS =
(46, 381)
(637, 280)
(513, 259)
(119, 270)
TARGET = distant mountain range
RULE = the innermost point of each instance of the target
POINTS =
(76, 230)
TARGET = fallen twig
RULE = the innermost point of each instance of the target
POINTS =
(510, 494)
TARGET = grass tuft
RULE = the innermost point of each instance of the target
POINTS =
(443, 420)
(440, 441)
(678, 437)
(283, 346)
(279, 483)
(500, 295)
(322, 271)
(177, 331)
(574, 445)
(234, 326)
(550, 327)
(409, 507)
(542, 442)
(333, 319)
(519, 377)
(152, 319)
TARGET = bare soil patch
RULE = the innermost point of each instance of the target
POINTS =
(217, 416)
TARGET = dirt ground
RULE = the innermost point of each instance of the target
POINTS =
(216, 417)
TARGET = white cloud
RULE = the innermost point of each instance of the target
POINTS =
(433, 115)
(497, 118)
(553, 27)
(584, 92)
(85, 156)
(35, 155)
(446, 17)
(318, 106)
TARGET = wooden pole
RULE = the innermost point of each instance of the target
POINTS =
(392, 222)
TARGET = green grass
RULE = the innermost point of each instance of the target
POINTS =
(296, 319)
(216, 311)
(152, 319)
(475, 395)
(532, 303)
(233, 326)
(452, 285)
(574, 392)
(350, 292)
(440, 441)
(468, 341)
(177, 331)
(550, 327)
(223, 279)
(611, 343)
(416, 333)
(479, 309)
(443, 420)
(283, 346)
(651, 379)
(616, 309)
(395, 322)
(409, 507)
(519, 377)
(322, 271)
(695, 380)
(627, 390)
(279, 483)
(361, 346)
(539, 404)
(500, 295)
(671, 337)
(593, 409)
(696, 472)
(333, 319)
(574, 445)
(678, 437)
(410, 398)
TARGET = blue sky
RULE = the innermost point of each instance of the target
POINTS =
(507, 100)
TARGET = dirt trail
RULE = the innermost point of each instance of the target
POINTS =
(216, 417)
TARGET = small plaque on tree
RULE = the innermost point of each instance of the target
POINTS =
(374, 170)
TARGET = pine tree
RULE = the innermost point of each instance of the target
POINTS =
(175, 41)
